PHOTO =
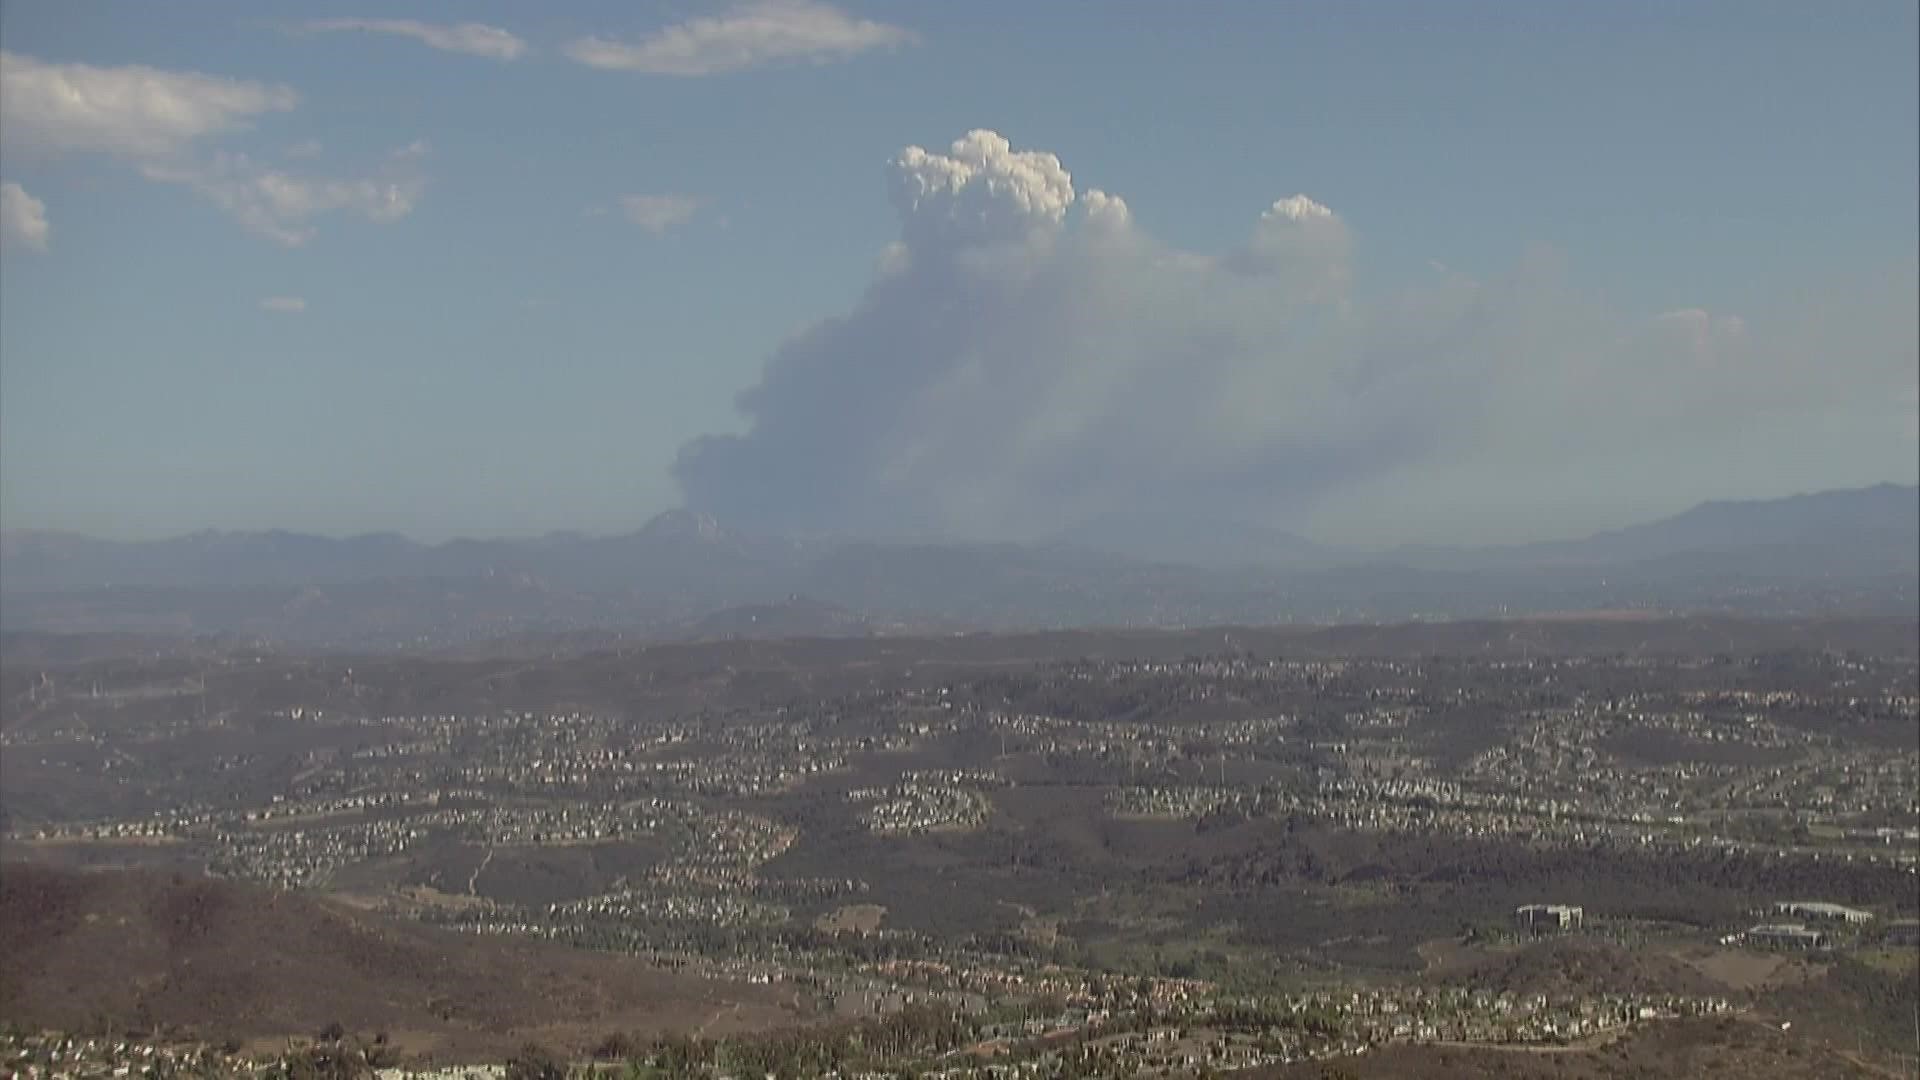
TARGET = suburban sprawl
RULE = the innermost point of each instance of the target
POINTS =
(1179, 865)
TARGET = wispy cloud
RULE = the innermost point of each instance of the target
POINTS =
(658, 213)
(23, 218)
(748, 36)
(281, 205)
(159, 122)
(290, 305)
(473, 39)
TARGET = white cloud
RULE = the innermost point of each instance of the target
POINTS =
(1295, 208)
(748, 36)
(980, 190)
(305, 148)
(1106, 211)
(1301, 244)
(473, 39)
(135, 111)
(658, 213)
(1016, 370)
(157, 120)
(23, 218)
(291, 305)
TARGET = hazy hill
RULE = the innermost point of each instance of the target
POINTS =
(680, 551)
(1854, 552)
(676, 551)
(1874, 529)
(1885, 517)
(1208, 542)
(797, 617)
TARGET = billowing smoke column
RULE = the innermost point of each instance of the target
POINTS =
(1027, 362)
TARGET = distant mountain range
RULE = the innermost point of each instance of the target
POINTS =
(675, 549)
(687, 575)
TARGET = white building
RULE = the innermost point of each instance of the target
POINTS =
(1787, 936)
(1549, 917)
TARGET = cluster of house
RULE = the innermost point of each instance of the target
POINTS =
(915, 807)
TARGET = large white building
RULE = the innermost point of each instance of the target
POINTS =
(1787, 936)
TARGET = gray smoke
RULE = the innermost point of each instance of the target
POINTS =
(1028, 360)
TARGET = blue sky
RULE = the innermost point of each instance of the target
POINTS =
(526, 284)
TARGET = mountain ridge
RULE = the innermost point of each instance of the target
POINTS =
(1893, 511)
(687, 574)
(1877, 512)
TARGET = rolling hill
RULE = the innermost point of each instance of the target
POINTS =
(139, 949)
